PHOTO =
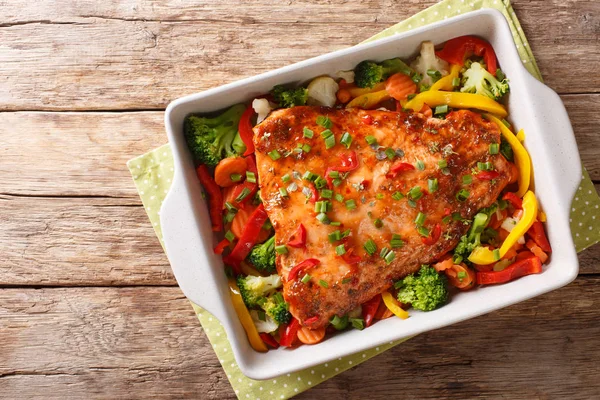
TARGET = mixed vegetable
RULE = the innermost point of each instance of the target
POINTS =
(504, 242)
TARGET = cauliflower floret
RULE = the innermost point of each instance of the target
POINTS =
(429, 61)
(262, 107)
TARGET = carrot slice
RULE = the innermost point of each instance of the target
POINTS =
(343, 96)
(227, 167)
(399, 86)
(426, 111)
(465, 281)
(311, 336)
(443, 265)
(537, 250)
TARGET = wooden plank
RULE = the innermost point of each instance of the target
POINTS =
(146, 342)
(79, 241)
(139, 56)
(84, 154)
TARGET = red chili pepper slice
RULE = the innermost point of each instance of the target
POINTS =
(487, 175)
(215, 197)
(537, 233)
(456, 50)
(349, 161)
(369, 309)
(289, 333)
(513, 199)
(311, 320)
(298, 239)
(314, 196)
(219, 248)
(399, 167)
(249, 237)
(527, 266)
(245, 130)
(270, 340)
(434, 235)
(351, 258)
(303, 266)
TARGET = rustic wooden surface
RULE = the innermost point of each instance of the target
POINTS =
(88, 303)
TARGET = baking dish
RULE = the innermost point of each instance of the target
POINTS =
(189, 240)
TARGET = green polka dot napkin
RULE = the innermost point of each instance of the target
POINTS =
(152, 174)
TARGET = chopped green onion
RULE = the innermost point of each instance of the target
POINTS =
(281, 249)
(446, 219)
(286, 178)
(329, 142)
(415, 193)
(305, 278)
(389, 257)
(390, 153)
(462, 195)
(245, 192)
(339, 323)
(379, 196)
(370, 139)
(235, 177)
(334, 236)
(306, 148)
(326, 193)
(378, 223)
(229, 216)
(370, 247)
(397, 196)
(340, 250)
(267, 225)
(325, 122)
(324, 284)
(506, 123)
(494, 148)
(467, 179)
(456, 216)
(283, 192)
(334, 174)
(484, 166)
(420, 220)
(322, 217)
(461, 275)
(442, 163)
(456, 82)
(307, 133)
(434, 74)
(309, 176)
(358, 323)
(230, 236)
(412, 203)
(384, 252)
(456, 259)
(423, 231)
(326, 133)
(320, 182)
(396, 241)
(337, 182)
(420, 165)
(441, 109)
(432, 185)
(335, 223)
(350, 204)
(500, 75)
(339, 197)
(346, 280)
(230, 207)
(322, 206)
(274, 154)
(445, 171)
(496, 253)
(346, 140)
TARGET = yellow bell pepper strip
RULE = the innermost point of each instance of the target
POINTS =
(392, 304)
(521, 156)
(521, 135)
(484, 256)
(240, 308)
(456, 100)
(445, 83)
(369, 100)
(356, 91)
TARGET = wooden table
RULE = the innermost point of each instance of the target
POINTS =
(89, 307)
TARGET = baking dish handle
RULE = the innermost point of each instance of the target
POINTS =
(558, 134)
(188, 239)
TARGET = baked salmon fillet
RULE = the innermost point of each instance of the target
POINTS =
(363, 198)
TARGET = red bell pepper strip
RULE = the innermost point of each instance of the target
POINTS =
(303, 266)
(250, 234)
(270, 340)
(252, 187)
(487, 175)
(434, 235)
(527, 266)
(221, 246)
(369, 309)
(298, 239)
(536, 232)
(289, 333)
(456, 50)
(215, 197)
(245, 130)
(514, 200)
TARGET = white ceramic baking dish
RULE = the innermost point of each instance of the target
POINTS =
(533, 106)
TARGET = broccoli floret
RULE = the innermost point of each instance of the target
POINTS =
(262, 256)
(254, 288)
(476, 79)
(276, 308)
(370, 73)
(289, 97)
(212, 139)
(425, 291)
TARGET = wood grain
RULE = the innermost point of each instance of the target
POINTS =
(141, 55)
(139, 342)
(84, 154)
